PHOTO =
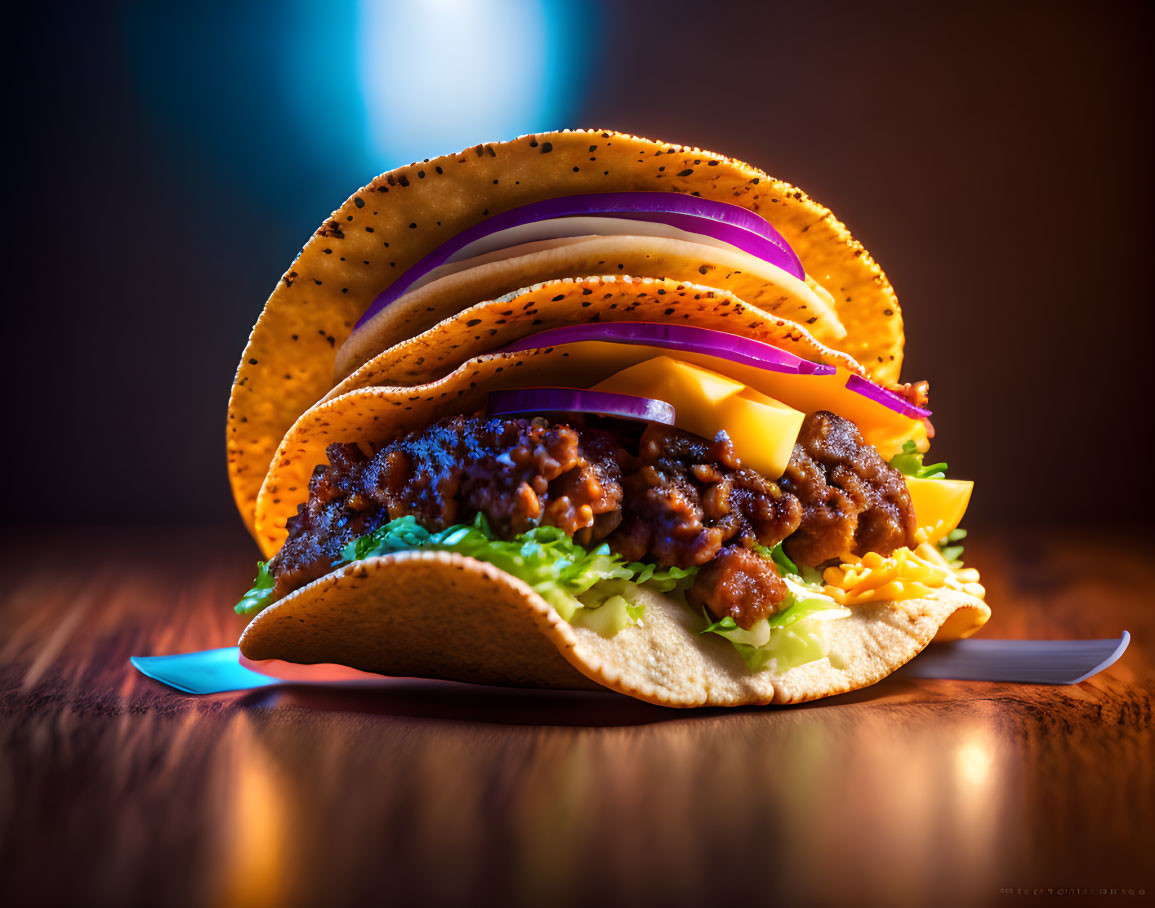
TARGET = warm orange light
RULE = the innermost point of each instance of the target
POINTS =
(255, 865)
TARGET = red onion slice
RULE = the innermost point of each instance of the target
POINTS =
(718, 344)
(706, 341)
(731, 224)
(577, 400)
(888, 399)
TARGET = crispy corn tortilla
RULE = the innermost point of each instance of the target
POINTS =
(443, 615)
(401, 216)
(488, 326)
(770, 289)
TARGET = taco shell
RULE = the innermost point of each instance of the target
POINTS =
(487, 326)
(769, 288)
(442, 615)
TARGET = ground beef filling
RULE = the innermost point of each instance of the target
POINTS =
(685, 498)
(655, 494)
(853, 501)
(519, 473)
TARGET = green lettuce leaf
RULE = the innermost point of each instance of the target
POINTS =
(790, 637)
(258, 596)
(778, 556)
(801, 642)
(610, 606)
(398, 535)
(909, 463)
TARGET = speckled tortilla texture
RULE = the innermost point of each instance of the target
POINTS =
(442, 615)
(401, 216)
(488, 326)
(652, 257)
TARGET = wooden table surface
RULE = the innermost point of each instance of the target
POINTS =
(116, 790)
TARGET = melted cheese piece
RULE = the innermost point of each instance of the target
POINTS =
(880, 426)
(762, 429)
(904, 575)
(939, 504)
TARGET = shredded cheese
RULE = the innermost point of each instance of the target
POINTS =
(904, 575)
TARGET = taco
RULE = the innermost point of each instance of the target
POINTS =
(689, 491)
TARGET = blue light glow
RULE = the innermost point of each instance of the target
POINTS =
(316, 98)
(440, 75)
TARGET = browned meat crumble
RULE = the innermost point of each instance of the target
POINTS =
(740, 584)
(853, 501)
(686, 497)
(663, 496)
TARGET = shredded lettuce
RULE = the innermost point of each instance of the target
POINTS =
(909, 463)
(576, 581)
(610, 606)
(790, 637)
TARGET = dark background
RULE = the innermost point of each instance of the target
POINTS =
(994, 158)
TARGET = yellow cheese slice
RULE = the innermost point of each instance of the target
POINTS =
(939, 504)
(762, 429)
(880, 426)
